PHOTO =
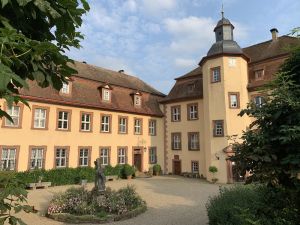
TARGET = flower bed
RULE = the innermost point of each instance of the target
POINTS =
(78, 205)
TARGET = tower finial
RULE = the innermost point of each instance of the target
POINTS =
(222, 10)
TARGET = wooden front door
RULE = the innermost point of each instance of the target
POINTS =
(177, 167)
(137, 161)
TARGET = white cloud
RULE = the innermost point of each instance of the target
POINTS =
(156, 7)
(185, 63)
(130, 5)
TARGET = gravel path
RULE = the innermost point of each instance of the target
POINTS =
(171, 201)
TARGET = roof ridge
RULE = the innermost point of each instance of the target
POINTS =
(264, 42)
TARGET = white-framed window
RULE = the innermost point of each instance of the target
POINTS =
(218, 128)
(85, 122)
(234, 100)
(63, 120)
(105, 124)
(83, 157)
(137, 126)
(152, 127)
(37, 158)
(14, 112)
(104, 156)
(61, 157)
(40, 118)
(193, 112)
(259, 74)
(8, 159)
(106, 95)
(175, 110)
(193, 141)
(259, 101)
(121, 155)
(232, 62)
(195, 167)
(152, 155)
(122, 125)
(65, 88)
(137, 100)
(176, 141)
(216, 74)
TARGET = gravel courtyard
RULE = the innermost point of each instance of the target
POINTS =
(171, 201)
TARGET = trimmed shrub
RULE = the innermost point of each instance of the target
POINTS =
(156, 169)
(127, 170)
(259, 205)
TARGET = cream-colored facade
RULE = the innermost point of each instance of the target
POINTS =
(27, 137)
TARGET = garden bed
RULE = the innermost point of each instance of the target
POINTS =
(69, 218)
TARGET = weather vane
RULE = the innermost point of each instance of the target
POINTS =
(222, 10)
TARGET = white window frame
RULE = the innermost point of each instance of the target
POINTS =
(122, 125)
(137, 126)
(259, 74)
(65, 88)
(84, 157)
(176, 141)
(61, 159)
(105, 124)
(219, 129)
(104, 156)
(8, 162)
(14, 112)
(234, 103)
(85, 122)
(259, 101)
(63, 120)
(39, 120)
(194, 141)
(216, 74)
(176, 114)
(121, 156)
(37, 158)
(193, 112)
(137, 100)
(152, 127)
(106, 95)
(152, 155)
(195, 167)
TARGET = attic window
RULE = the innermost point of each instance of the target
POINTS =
(66, 88)
(106, 93)
(259, 74)
(137, 100)
(191, 87)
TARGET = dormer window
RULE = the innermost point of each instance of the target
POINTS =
(137, 99)
(191, 88)
(259, 74)
(65, 88)
(106, 93)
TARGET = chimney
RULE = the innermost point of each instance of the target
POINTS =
(84, 62)
(121, 71)
(274, 32)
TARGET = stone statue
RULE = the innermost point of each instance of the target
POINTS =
(100, 178)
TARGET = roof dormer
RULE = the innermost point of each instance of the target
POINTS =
(66, 89)
(106, 92)
(137, 98)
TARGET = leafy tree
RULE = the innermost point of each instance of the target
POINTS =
(270, 149)
(34, 35)
(12, 198)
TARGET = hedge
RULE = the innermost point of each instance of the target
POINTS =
(64, 176)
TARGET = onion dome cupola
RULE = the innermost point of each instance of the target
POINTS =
(224, 39)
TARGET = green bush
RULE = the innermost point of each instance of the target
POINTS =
(156, 169)
(128, 170)
(259, 205)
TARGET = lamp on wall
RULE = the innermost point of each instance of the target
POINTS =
(217, 156)
(145, 149)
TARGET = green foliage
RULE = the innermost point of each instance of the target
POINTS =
(156, 169)
(78, 201)
(213, 169)
(253, 205)
(271, 147)
(34, 35)
(12, 198)
(127, 170)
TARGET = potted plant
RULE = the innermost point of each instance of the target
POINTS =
(128, 171)
(213, 170)
(156, 169)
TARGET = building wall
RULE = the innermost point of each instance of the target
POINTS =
(26, 136)
(216, 101)
(184, 126)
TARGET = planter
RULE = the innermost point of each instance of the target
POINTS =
(129, 177)
(83, 182)
(214, 180)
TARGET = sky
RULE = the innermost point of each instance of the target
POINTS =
(159, 40)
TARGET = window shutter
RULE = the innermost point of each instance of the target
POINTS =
(89, 156)
(155, 156)
(126, 155)
(108, 157)
(29, 158)
(67, 157)
(78, 160)
(54, 164)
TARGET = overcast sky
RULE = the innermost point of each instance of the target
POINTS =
(159, 40)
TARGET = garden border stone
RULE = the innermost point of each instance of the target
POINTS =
(69, 218)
